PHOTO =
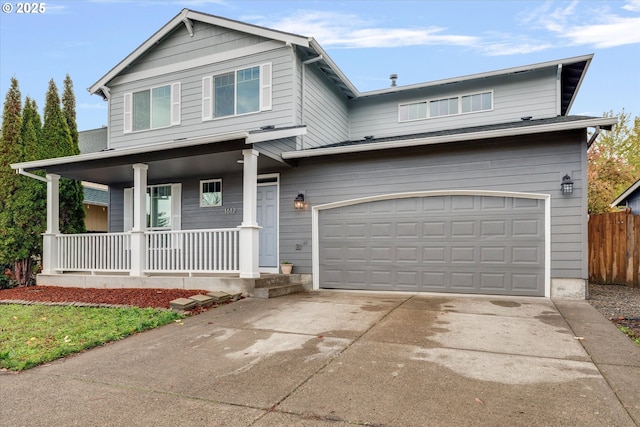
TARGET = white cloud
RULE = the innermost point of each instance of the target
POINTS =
(596, 25)
(632, 6)
(349, 31)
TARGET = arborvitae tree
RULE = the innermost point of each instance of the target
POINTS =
(56, 136)
(10, 140)
(29, 204)
(9, 153)
(69, 110)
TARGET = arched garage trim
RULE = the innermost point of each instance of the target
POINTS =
(547, 221)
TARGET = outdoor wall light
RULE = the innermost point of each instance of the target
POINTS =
(298, 202)
(567, 185)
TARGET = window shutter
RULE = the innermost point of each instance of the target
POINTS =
(265, 87)
(207, 101)
(175, 104)
(128, 209)
(176, 202)
(128, 112)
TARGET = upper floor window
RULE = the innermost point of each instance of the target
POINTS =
(152, 108)
(445, 106)
(242, 91)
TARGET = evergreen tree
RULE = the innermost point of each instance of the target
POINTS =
(9, 153)
(57, 138)
(10, 140)
(29, 204)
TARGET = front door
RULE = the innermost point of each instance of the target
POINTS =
(268, 221)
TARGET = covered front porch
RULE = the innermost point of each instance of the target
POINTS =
(140, 255)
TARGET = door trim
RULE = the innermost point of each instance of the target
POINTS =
(274, 179)
(315, 232)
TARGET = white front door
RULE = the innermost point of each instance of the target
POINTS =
(267, 217)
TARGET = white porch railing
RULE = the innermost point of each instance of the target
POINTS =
(211, 251)
(207, 251)
(94, 252)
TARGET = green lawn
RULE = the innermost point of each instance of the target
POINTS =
(35, 334)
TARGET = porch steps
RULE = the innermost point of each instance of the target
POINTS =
(277, 285)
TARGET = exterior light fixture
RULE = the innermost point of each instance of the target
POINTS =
(298, 202)
(567, 185)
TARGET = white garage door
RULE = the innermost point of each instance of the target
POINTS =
(459, 243)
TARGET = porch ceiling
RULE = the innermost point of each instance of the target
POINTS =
(194, 161)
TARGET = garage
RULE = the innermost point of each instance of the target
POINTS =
(460, 243)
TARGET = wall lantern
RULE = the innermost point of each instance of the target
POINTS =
(298, 202)
(567, 185)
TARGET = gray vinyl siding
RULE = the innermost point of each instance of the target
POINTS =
(326, 111)
(515, 96)
(179, 46)
(528, 164)
(191, 123)
(275, 148)
(193, 217)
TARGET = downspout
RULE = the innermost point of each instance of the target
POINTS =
(21, 171)
(302, 92)
(559, 91)
(593, 137)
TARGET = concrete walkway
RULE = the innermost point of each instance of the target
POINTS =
(342, 358)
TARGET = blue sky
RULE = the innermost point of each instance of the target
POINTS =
(420, 41)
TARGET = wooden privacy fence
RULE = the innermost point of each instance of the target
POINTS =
(614, 249)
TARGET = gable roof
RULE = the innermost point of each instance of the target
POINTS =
(185, 17)
(626, 194)
(571, 71)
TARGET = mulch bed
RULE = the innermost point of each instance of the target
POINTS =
(156, 298)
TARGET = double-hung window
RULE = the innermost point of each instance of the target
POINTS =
(152, 108)
(243, 91)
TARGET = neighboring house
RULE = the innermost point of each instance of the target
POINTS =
(630, 198)
(96, 196)
(216, 127)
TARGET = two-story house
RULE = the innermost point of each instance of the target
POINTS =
(233, 147)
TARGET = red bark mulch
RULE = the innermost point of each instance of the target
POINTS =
(156, 298)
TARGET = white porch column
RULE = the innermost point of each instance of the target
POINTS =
(249, 230)
(138, 245)
(49, 244)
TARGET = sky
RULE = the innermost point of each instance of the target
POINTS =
(421, 41)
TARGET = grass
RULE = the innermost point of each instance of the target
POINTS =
(35, 334)
(631, 334)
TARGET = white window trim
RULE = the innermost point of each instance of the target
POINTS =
(204, 181)
(174, 108)
(459, 113)
(265, 92)
(176, 207)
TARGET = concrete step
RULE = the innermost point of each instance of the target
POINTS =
(274, 291)
(276, 280)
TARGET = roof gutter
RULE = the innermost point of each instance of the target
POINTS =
(21, 171)
(460, 137)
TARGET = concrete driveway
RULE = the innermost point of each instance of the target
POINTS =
(344, 358)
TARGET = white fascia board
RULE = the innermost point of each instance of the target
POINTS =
(506, 71)
(460, 137)
(140, 149)
(195, 16)
(198, 62)
(275, 134)
(627, 193)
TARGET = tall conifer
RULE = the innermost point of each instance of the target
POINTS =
(57, 137)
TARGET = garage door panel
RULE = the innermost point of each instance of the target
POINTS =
(467, 244)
